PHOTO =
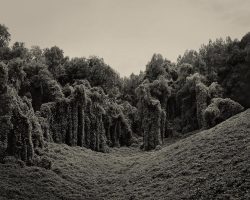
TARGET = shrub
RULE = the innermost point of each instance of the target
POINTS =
(220, 110)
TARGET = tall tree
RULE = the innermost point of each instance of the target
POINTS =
(4, 36)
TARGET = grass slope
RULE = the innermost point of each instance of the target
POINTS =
(212, 164)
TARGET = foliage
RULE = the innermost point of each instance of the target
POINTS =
(160, 89)
(54, 58)
(3, 76)
(220, 110)
(94, 70)
(84, 102)
(215, 90)
(129, 86)
(245, 40)
(36, 54)
(77, 68)
(4, 36)
(41, 84)
(155, 67)
(19, 50)
(20, 131)
(16, 73)
(152, 117)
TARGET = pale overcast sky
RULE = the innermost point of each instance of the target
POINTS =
(125, 33)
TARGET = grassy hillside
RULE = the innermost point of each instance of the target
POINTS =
(212, 164)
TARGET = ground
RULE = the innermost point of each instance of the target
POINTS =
(211, 164)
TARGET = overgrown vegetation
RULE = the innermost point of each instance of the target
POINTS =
(212, 164)
(46, 96)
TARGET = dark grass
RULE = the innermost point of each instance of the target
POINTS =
(212, 164)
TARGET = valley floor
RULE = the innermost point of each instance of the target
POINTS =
(212, 164)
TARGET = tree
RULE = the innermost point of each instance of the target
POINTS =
(155, 67)
(152, 118)
(77, 68)
(55, 59)
(19, 51)
(245, 40)
(54, 56)
(102, 74)
(193, 58)
(129, 86)
(36, 54)
(4, 36)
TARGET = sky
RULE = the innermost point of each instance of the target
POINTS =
(125, 33)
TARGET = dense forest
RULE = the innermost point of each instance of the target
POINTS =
(46, 96)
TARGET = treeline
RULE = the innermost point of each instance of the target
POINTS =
(46, 96)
